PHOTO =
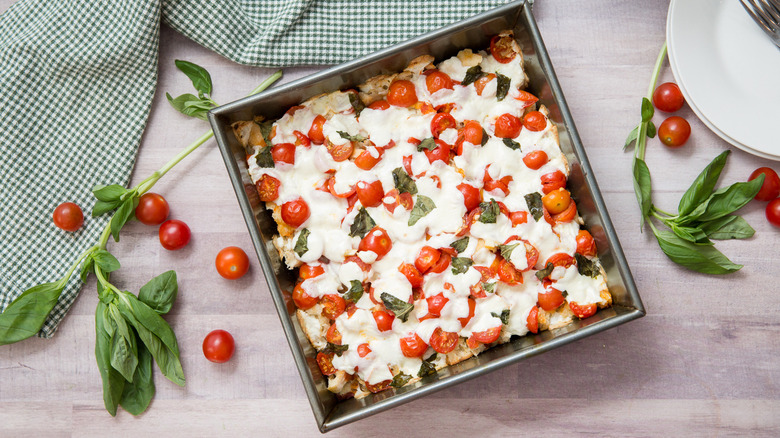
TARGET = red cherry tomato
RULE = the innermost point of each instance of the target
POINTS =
(396, 199)
(557, 201)
(152, 209)
(339, 152)
(384, 320)
(668, 98)
(487, 336)
(68, 216)
(582, 311)
(560, 259)
(771, 187)
(303, 300)
(535, 159)
(379, 105)
(440, 152)
(527, 98)
(402, 93)
(332, 306)
(315, 132)
(471, 196)
(472, 132)
(518, 217)
(773, 212)
(295, 213)
(472, 306)
(585, 244)
(532, 322)
(377, 241)
(325, 362)
(174, 234)
(413, 346)
(553, 181)
(437, 80)
(219, 346)
(508, 273)
(507, 126)
(566, 215)
(436, 303)
(550, 300)
(366, 161)
(501, 49)
(443, 342)
(332, 189)
(268, 188)
(310, 271)
(442, 264)
(363, 350)
(483, 82)
(301, 139)
(412, 274)
(232, 263)
(535, 121)
(441, 122)
(283, 153)
(674, 132)
(370, 194)
(333, 335)
(427, 257)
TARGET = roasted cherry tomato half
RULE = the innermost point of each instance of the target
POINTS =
(219, 346)
(333, 335)
(472, 132)
(674, 131)
(437, 80)
(232, 263)
(442, 264)
(379, 105)
(535, 159)
(307, 271)
(413, 346)
(68, 216)
(325, 362)
(370, 194)
(472, 307)
(471, 196)
(152, 209)
(582, 311)
(412, 274)
(174, 234)
(268, 188)
(585, 244)
(315, 132)
(332, 306)
(303, 300)
(440, 152)
(481, 83)
(535, 121)
(442, 122)
(487, 336)
(443, 342)
(366, 159)
(532, 321)
(508, 126)
(384, 320)
(551, 299)
(339, 152)
(378, 241)
(363, 350)
(283, 153)
(501, 48)
(770, 189)
(402, 93)
(668, 98)
(295, 213)
(553, 181)
(427, 257)
(333, 191)
(436, 303)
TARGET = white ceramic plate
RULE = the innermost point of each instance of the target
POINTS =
(728, 71)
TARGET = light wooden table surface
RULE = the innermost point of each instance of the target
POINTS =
(704, 361)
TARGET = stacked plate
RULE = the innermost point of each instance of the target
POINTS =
(729, 72)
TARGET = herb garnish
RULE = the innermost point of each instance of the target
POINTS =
(586, 266)
(355, 291)
(504, 316)
(485, 137)
(490, 211)
(302, 244)
(422, 207)
(357, 104)
(427, 144)
(400, 308)
(506, 250)
(461, 264)
(489, 287)
(400, 380)
(335, 349)
(511, 144)
(461, 244)
(535, 206)
(427, 367)
(347, 136)
(472, 74)
(403, 182)
(502, 86)
(362, 224)
(264, 158)
(544, 273)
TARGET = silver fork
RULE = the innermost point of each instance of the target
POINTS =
(766, 13)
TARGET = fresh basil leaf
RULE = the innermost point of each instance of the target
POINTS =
(647, 110)
(461, 244)
(504, 316)
(502, 86)
(427, 367)
(302, 244)
(422, 207)
(109, 193)
(535, 206)
(87, 267)
(137, 395)
(642, 188)
(727, 227)
(701, 258)
(201, 79)
(632, 137)
(26, 314)
(123, 355)
(427, 144)
(346, 136)
(362, 224)
(264, 158)
(400, 308)
(356, 102)
(461, 264)
(703, 185)
(472, 74)
(113, 382)
(335, 349)
(586, 266)
(124, 213)
(490, 212)
(726, 200)
(105, 261)
(103, 207)
(400, 380)
(485, 137)
(355, 291)
(184, 105)
(650, 130)
(544, 273)
(506, 250)
(403, 182)
(160, 292)
(511, 144)
(489, 287)
(266, 127)
(691, 234)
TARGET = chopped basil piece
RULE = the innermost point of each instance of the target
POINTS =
(460, 245)
(511, 144)
(403, 182)
(534, 202)
(585, 266)
(265, 130)
(362, 224)
(489, 212)
(472, 74)
(429, 144)
(544, 273)
(357, 104)
(427, 368)
(504, 316)
(301, 245)
(422, 207)
(264, 157)
(461, 264)
(401, 309)
(506, 250)
(565, 294)
(489, 287)
(346, 136)
(355, 291)
(485, 137)
(335, 349)
(400, 380)
(502, 87)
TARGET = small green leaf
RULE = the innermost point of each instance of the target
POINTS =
(506, 250)
(647, 110)
(108, 193)
(427, 144)
(650, 130)
(703, 185)
(485, 137)
(266, 127)
(403, 182)
(123, 356)
(727, 227)
(632, 137)
(335, 349)
(160, 292)
(400, 308)
(400, 380)
(355, 291)
(87, 267)
(544, 273)
(346, 136)
(26, 314)
(472, 74)
(302, 244)
(725, 201)
(511, 144)
(535, 206)
(137, 395)
(489, 212)
(362, 224)
(489, 287)
(701, 258)
(357, 104)
(586, 266)
(113, 382)
(461, 244)
(422, 207)
(461, 264)
(201, 79)
(105, 260)
(427, 367)
(502, 86)
(264, 158)
(184, 105)
(504, 316)
(102, 207)
(691, 234)
(642, 188)
(125, 212)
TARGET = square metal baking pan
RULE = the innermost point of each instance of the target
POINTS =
(442, 43)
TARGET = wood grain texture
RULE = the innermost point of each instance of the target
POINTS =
(704, 362)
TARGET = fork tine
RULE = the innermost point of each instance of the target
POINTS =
(775, 4)
(770, 9)
(758, 19)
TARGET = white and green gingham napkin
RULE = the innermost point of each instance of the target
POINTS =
(77, 78)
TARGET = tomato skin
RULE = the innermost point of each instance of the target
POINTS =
(378, 387)
(437, 80)
(557, 201)
(333, 335)
(436, 303)
(402, 93)
(325, 362)
(363, 350)
(332, 306)
(471, 196)
(384, 320)
(560, 259)
(501, 49)
(370, 194)
(219, 346)
(301, 139)
(566, 215)
(441, 122)
(283, 153)
(535, 121)
(232, 263)
(295, 213)
(315, 132)
(550, 300)
(403, 199)
(152, 209)
(366, 161)
(413, 346)
(332, 189)
(303, 300)
(668, 98)
(582, 311)
(412, 274)
(472, 306)
(427, 257)
(528, 98)
(379, 105)
(174, 234)
(307, 271)
(553, 181)
(508, 273)
(532, 321)
(68, 216)
(773, 212)
(378, 241)
(483, 82)
(674, 131)
(440, 152)
(443, 342)
(442, 264)
(487, 336)
(339, 152)
(268, 188)
(507, 126)
(535, 159)
(518, 217)
(770, 189)
(472, 132)
(585, 244)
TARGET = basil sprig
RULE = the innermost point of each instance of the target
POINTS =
(422, 207)
(302, 244)
(191, 105)
(400, 308)
(704, 214)
(461, 244)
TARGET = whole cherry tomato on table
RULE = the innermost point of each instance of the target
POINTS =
(232, 263)
(674, 131)
(152, 209)
(773, 212)
(68, 216)
(219, 346)
(668, 98)
(771, 187)
(174, 234)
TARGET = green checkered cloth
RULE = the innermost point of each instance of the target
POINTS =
(77, 80)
